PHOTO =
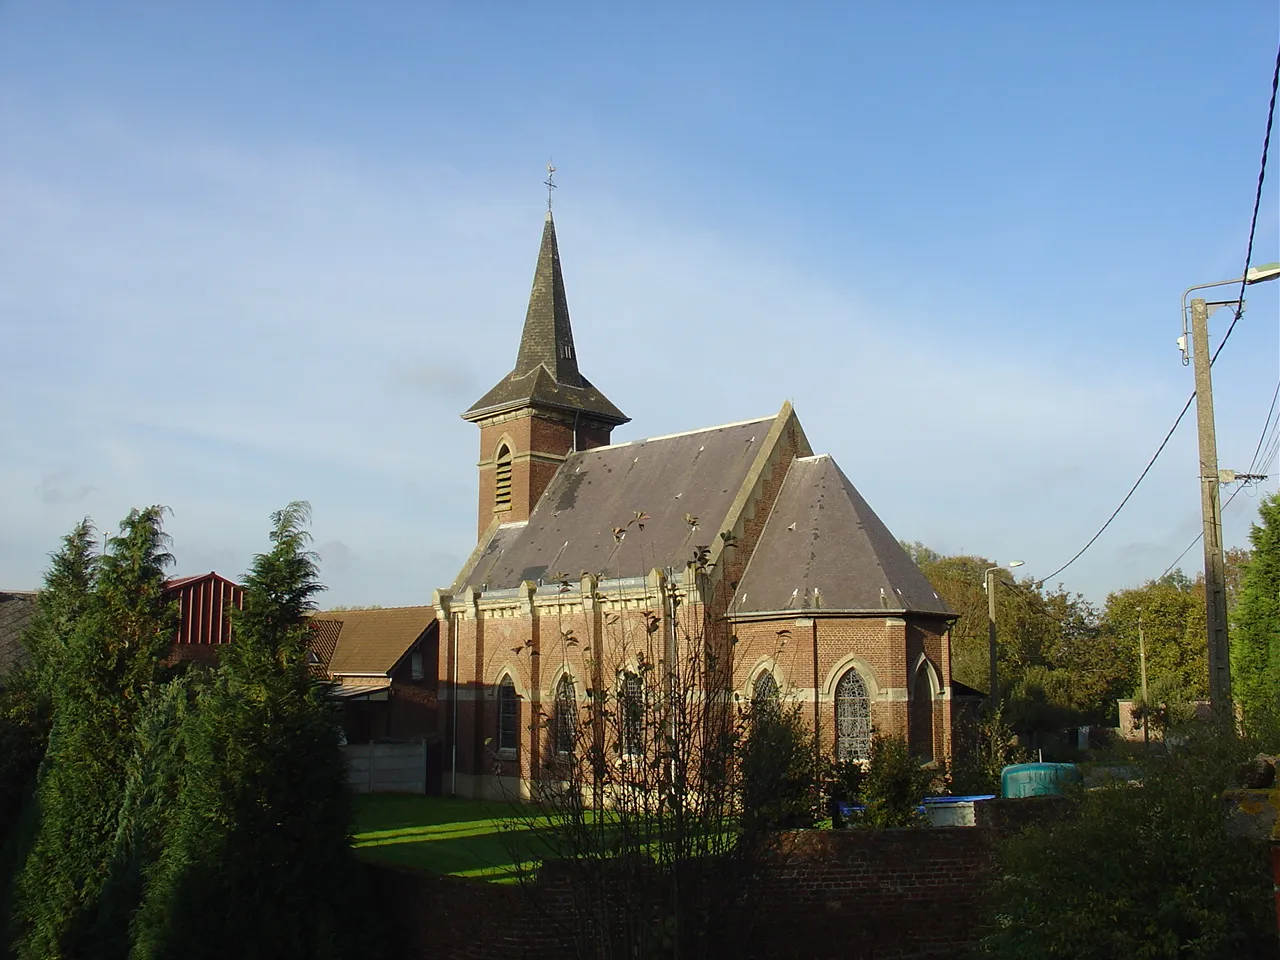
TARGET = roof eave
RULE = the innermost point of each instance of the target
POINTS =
(825, 612)
(483, 413)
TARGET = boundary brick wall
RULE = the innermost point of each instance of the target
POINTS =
(888, 895)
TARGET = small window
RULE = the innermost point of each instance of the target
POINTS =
(566, 718)
(508, 715)
(415, 665)
(631, 714)
(502, 479)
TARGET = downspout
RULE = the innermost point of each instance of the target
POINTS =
(817, 696)
(453, 763)
(576, 414)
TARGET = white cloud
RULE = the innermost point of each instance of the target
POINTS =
(224, 330)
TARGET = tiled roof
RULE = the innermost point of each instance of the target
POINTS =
(824, 548)
(372, 641)
(323, 641)
(546, 371)
(17, 607)
(571, 530)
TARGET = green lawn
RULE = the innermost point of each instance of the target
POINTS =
(466, 838)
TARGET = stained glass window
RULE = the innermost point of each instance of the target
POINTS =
(566, 718)
(508, 715)
(853, 718)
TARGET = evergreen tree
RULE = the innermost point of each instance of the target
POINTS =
(103, 649)
(153, 776)
(257, 862)
(25, 704)
(1255, 643)
(68, 590)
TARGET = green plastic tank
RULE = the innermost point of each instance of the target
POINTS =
(1037, 779)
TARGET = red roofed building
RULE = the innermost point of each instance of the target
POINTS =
(204, 621)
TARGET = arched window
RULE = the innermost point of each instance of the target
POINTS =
(853, 717)
(921, 725)
(764, 693)
(508, 715)
(631, 713)
(502, 479)
(566, 717)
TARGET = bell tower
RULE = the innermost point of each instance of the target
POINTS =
(541, 411)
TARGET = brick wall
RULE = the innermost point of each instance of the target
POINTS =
(889, 895)
(808, 652)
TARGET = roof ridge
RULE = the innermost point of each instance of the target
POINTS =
(337, 614)
(682, 433)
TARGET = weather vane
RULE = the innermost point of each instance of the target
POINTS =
(550, 183)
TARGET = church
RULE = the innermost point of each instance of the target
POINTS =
(579, 538)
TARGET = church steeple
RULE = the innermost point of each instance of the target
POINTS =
(546, 372)
(544, 409)
(548, 336)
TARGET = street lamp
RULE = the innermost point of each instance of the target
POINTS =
(1215, 599)
(989, 584)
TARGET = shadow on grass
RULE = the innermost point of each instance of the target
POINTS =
(484, 839)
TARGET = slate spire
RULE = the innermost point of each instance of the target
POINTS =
(546, 374)
(548, 336)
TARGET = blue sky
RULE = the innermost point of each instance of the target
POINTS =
(252, 253)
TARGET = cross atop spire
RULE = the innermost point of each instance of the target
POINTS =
(550, 183)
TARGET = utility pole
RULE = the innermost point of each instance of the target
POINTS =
(989, 584)
(994, 678)
(1215, 599)
(1142, 669)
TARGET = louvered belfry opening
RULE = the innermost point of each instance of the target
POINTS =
(502, 479)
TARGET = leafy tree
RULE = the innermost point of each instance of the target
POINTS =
(1055, 667)
(1256, 636)
(919, 553)
(779, 769)
(1236, 562)
(1151, 870)
(893, 785)
(105, 648)
(1173, 626)
(991, 747)
(257, 861)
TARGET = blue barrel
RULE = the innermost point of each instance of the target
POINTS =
(1037, 779)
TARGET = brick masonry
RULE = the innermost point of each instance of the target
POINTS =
(889, 895)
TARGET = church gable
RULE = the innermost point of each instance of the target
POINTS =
(824, 548)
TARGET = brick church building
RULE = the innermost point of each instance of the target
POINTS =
(581, 539)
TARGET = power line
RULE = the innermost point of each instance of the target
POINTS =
(1248, 258)
(1257, 196)
(1116, 512)
(1267, 427)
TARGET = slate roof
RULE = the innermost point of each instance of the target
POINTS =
(824, 548)
(17, 607)
(571, 529)
(370, 641)
(546, 371)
